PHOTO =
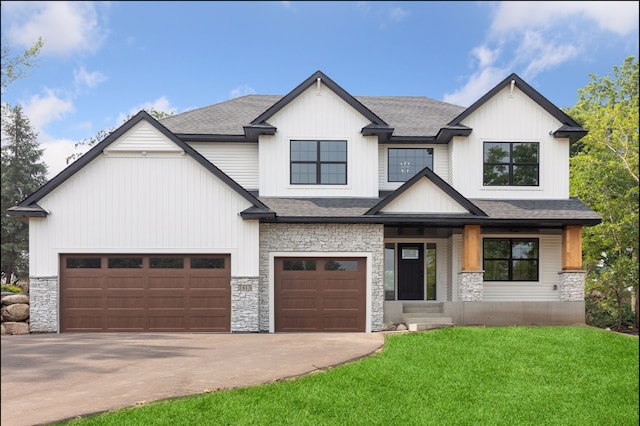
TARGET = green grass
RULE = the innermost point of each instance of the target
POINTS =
(456, 376)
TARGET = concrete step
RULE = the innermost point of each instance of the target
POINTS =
(432, 308)
(422, 327)
(427, 320)
(410, 315)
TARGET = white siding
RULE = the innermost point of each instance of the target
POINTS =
(440, 163)
(238, 160)
(142, 204)
(514, 118)
(550, 264)
(318, 115)
(143, 137)
(424, 197)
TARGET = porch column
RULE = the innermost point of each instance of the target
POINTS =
(572, 276)
(471, 248)
(470, 280)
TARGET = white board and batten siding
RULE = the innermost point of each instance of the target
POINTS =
(424, 197)
(239, 161)
(550, 264)
(127, 202)
(511, 118)
(440, 163)
(318, 115)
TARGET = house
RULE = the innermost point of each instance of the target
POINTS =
(315, 211)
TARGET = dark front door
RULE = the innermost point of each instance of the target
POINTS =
(410, 272)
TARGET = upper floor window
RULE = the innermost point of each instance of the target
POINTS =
(404, 163)
(510, 259)
(319, 162)
(511, 164)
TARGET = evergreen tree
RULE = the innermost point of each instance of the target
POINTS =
(23, 172)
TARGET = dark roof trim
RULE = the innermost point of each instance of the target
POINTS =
(439, 221)
(97, 150)
(529, 91)
(256, 213)
(262, 118)
(197, 137)
(437, 180)
(253, 131)
(33, 210)
(447, 133)
(573, 133)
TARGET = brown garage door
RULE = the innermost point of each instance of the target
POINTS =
(320, 294)
(145, 293)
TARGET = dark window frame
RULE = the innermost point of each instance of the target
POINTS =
(318, 162)
(429, 150)
(511, 259)
(510, 164)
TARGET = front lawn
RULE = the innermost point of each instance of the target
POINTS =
(455, 376)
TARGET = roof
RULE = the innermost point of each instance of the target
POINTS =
(496, 212)
(28, 207)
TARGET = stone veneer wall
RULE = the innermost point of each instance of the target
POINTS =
(470, 286)
(245, 304)
(43, 299)
(572, 286)
(323, 238)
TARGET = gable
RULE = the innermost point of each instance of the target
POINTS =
(424, 197)
(143, 137)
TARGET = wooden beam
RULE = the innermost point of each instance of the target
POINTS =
(471, 248)
(572, 248)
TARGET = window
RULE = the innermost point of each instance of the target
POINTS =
(319, 162)
(404, 163)
(83, 262)
(299, 265)
(510, 259)
(389, 271)
(207, 263)
(166, 262)
(341, 265)
(124, 262)
(511, 164)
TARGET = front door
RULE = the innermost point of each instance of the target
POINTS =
(410, 271)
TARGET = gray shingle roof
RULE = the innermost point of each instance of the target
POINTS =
(409, 116)
(559, 210)
(536, 209)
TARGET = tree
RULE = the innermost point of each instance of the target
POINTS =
(23, 172)
(604, 175)
(87, 143)
(15, 67)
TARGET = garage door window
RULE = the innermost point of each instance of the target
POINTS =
(299, 265)
(166, 262)
(207, 263)
(125, 262)
(341, 265)
(83, 262)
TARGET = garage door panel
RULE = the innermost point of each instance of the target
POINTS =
(121, 298)
(83, 283)
(320, 294)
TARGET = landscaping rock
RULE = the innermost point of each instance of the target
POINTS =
(401, 327)
(2, 330)
(16, 312)
(15, 328)
(15, 298)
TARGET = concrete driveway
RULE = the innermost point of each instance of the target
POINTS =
(49, 377)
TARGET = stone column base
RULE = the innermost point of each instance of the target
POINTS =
(470, 286)
(43, 301)
(572, 285)
(245, 304)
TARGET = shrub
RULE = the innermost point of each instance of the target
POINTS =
(11, 288)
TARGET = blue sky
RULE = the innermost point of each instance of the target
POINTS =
(103, 61)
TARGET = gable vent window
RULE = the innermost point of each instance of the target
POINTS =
(319, 162)
(511, 164)
(404, 163)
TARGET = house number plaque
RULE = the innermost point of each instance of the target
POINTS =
(245, 287)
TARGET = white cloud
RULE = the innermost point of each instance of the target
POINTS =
(161, 104)
(243, 90)
(477, 85)
(397, 14)
(88, 79)
(533, 37)
(620, 17)
(56, 152)
(42, 110)
(65, 27)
